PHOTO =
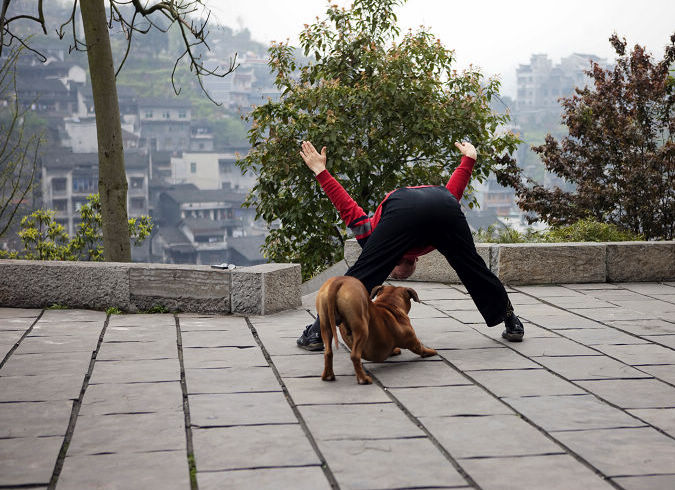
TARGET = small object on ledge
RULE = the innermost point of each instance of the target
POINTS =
(224, 265)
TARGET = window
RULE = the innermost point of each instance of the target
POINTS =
(84, 184)
(137, 182)
(137, 203)
(182, 114)
(148, 114)
(60, 204)
(193, 167)
(165, 115)
(59, 185)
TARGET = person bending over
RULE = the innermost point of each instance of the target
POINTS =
(409, 222)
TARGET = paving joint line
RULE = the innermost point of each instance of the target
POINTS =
(75, 411)
(589, 346)
(435, 442)
(328, 473)
(18, 342)
(536, 426)
(546, 434)
(613, 405)
(191, 460)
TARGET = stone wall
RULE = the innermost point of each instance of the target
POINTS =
(549, 263)
(258, 290)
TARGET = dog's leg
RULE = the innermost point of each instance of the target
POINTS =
(414, 345)
(360, 337)
(327, 337)
(395, 352)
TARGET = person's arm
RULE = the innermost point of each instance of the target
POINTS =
(350, 212)
(462, 174)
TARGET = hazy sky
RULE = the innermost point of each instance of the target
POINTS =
(495, 35)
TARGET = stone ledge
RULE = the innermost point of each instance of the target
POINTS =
(548, 263)
(137, 286)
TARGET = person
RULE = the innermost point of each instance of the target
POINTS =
(408, 223)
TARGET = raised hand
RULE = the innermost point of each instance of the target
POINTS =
(466, 149)
(313, 159)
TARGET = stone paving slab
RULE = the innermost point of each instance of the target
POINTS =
(587, 399)
(143, 432)
(489, 436)
(368, 421)
(301, 478)
(398, 463)
(619, 452)
(552, 472)
(34, 419)
(229, 448)
(590, 367)
(166, 470)
(218, 410)
(450, 401)
(28, 460)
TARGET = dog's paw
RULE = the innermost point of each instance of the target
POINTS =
(427, 352)
(366, 380)
(329, 377)
(396, 352)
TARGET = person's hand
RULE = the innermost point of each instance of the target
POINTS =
(466, 149)
(313, 159)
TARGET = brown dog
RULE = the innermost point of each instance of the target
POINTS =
(373, 330)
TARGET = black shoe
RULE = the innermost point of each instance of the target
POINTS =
(310, 339)
(514, 328)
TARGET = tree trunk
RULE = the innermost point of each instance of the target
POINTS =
(112, 180)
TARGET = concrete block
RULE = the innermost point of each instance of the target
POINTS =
(37, 284)
(190, 288)
(640, 261)
(266, 288)
(431, 267)
(550, 263)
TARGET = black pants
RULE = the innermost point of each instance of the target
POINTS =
(430, 216)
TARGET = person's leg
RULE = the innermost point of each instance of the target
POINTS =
(453, 239)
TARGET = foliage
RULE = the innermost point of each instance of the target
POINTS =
(584, 230)
(388, 112)
(619, 152)
(45, 239)
(113, 310)
(505, 234)
(18, 147)
(158, 309)
(587, 230)
(57, 306)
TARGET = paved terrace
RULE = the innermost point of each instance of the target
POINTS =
(586, 401)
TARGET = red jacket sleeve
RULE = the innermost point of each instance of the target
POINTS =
(350, 212)
(460, 177)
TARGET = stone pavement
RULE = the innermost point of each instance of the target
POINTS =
(212, 402)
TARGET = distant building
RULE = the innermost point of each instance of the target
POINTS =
(68, 178)
(207, 170)
(198, 227)
(164, 124)
(541, 83)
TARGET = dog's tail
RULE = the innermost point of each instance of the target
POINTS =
(325, 307)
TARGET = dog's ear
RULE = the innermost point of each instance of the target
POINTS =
(413, 294)
(375, 291)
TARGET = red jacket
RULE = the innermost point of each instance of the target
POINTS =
(358, 221)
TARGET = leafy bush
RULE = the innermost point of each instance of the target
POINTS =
(588, 230)
(584, 230)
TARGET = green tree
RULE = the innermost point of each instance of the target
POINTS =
(389, 112)
(619, 153)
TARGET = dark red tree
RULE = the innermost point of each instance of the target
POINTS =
(619, 153)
